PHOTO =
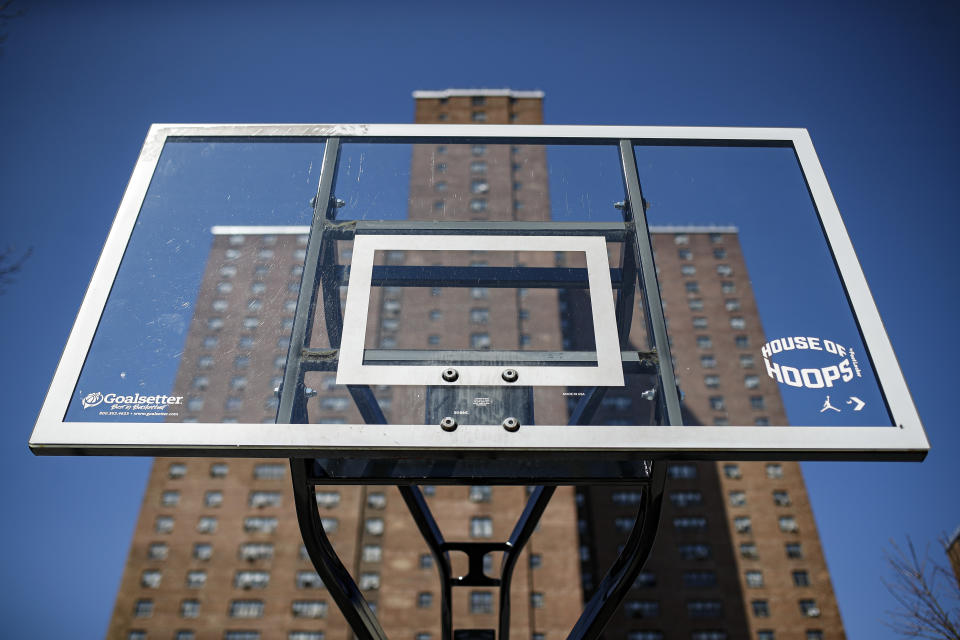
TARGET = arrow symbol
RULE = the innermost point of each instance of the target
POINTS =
(860, 403)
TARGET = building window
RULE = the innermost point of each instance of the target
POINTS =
(732, 471)
(372, 553)
(481, 493)
(308, 580)
(536, 600)
(642, 608)
(738, 323)
(645, 580)
(699, 579)
(724, 270)
(261, 499)
(728, 287)
(369, 581)
(196, 579)
(809, 608)
(742, 524)
(422, 635)
(479, 340)
(751, 381)
(536, 560)
(732, 304)
(774, 470)
(754, 579)
(742, 342)
(761, 608)
(481, 602)
(158, 551)
(781, 498)
(189, 608)
(692, 286)
(814, 634)
(219, 470)
(309, 609)
(717, 403)
(794, 550)
(478, 204)
(246, 609)
(688, 270)
(757, 403)
(163, 524)
(251, 579)
(143, 609)
(749, 550)
(260, 524)
(704, 342)
(202, 551)
(788, 524)
(699, 322)
(207, 524)
(479, 315)
(479, 186)
(696, 551)
(712, 382)
(738, 499)
(440, 186)
(478, 116)
(213, 499)
(170, 498)
(720, 253)
(704, 608)
(438, 205)
(481, 527)
(689, 523)
(269, 471)
(426, 561)
(241, 635)
(683, 499)
(328, 499)
(746, 361)
(645, 634)
(330, 525)
(200, 383)
(681, 239)
(374, 526)
(252, 551)
(708, 362)
(682, 471)
(801, 579)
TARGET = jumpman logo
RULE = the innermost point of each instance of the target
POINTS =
(827, 405)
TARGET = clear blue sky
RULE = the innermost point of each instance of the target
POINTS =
(876, 84)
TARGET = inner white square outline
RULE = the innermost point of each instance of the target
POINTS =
(607, 372)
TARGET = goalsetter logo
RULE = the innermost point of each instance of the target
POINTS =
(812, 378)
(136, 401)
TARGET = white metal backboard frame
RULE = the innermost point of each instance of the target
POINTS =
(905, 440)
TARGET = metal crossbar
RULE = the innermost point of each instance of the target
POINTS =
(321, 282)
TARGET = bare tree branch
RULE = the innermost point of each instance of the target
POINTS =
(920, 587)
(10, 266)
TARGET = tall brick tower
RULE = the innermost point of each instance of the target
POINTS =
(217, 550)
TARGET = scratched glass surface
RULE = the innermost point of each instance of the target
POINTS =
(761, 327)
(196, 324)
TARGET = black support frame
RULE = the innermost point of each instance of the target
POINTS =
(321, 277)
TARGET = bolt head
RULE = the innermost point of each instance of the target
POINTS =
(448, 424)
(510, 375)
(511, 424)
(450, 375)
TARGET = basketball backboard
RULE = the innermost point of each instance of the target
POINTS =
(479, 292)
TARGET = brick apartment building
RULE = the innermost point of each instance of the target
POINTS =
(217, 550)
